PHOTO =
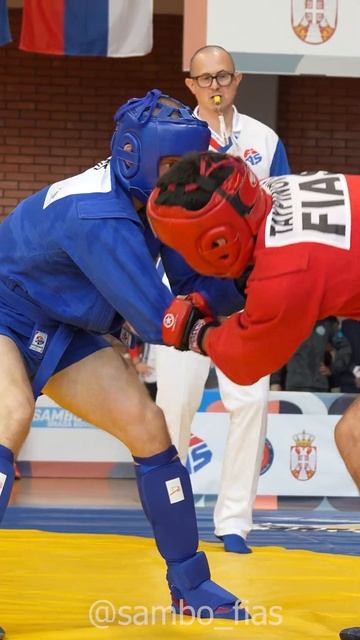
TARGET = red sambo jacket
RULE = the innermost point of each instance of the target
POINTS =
(307, 267)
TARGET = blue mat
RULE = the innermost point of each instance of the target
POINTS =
(318, 532)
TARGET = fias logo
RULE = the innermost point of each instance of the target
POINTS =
(252, 156)
(199, 454)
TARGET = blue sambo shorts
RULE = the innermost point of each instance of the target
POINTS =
(82, 344)
(46, 345)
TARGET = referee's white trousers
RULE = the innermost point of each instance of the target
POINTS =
(181, 378)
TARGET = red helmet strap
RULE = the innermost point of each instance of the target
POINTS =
(234, 198)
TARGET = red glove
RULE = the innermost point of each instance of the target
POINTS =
(186, 321)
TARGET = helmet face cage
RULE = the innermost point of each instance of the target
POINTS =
(147, 130)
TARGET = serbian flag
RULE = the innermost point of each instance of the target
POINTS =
(116, 28)
(5, 35)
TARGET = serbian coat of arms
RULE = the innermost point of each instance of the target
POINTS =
(314, 21)
(303, 456)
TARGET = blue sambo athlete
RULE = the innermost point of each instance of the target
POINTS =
(77, 261)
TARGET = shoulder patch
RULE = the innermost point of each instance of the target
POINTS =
(94, 180)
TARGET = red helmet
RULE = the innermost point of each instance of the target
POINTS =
(217, 239)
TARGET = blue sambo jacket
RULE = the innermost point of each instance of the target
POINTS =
(84, 256)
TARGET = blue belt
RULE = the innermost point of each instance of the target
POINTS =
(12, 294)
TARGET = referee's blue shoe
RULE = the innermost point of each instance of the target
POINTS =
(235, 543)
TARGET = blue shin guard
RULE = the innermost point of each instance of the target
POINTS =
(6, 477)
(166, 496)
(167, 499)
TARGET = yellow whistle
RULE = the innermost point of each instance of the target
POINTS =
(217, 99)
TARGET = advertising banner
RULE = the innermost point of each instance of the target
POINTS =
(300, 457)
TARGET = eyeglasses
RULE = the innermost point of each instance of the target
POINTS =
(223, 79)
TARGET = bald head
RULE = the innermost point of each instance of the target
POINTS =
(208, 68)
(210, 54)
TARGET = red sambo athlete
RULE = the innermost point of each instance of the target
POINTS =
(301, 233)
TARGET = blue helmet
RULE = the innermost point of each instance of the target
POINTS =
(155, 126)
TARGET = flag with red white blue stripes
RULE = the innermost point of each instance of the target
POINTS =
(5, 35)
(115, 28)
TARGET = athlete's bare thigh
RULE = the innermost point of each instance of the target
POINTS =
(104, 389)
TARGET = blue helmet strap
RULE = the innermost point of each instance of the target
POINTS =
(148, 102)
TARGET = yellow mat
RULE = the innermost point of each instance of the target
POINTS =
(50, 584)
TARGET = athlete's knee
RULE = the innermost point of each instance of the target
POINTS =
(17, 410)
(141, 408)
(347, 430)
(153, 419)
(144, 422)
